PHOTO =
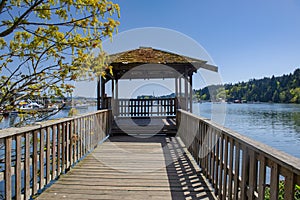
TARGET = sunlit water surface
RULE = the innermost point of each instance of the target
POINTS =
(277, 125)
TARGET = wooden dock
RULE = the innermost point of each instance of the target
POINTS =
(127, 167)
(80, 158)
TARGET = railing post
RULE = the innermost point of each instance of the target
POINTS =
(236, 171)
(262, 177)
(289, 188)
(230, 167)
(59, 149)
(48, 154)
(42, 136)
(252, 174)
(110, 121)
(8, 188)
(178, 119)
(18, 168)
(245, 173)
(54, 153)
(274, 181)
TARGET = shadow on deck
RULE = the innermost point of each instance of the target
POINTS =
(140, 167)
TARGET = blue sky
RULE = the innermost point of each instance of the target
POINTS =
(246, 39)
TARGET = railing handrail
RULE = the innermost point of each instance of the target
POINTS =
(39, 125)
(274, 154)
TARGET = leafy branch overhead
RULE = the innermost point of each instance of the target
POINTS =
(44, 44)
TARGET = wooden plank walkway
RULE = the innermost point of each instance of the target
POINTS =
(126, 167)
(144, 125)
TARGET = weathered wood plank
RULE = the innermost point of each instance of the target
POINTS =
(289, 187)
(8, 168)
(216, 185)
(112, 171)
(274, 185)
(245, 173)
(27, 166)
(67, 145)
(48, 130)
(252, 174)
(262, 177)
(225, 181)
(236, 171)
(42, 150)
(54, 153)
(221, 173)
(63, 147)
(18, 168)
(230, 168)
(59, 149)
(35, 162)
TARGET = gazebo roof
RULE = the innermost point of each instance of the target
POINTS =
(125, 61)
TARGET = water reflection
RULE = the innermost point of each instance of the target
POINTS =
(18, 120)
(296, 119)
(277, 125)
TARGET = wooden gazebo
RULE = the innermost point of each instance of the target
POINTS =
(157, 64)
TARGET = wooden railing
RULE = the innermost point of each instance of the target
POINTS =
(237, 167)
(36, 155)
(145, 107)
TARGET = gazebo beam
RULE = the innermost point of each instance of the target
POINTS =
(191, 93)
(180, 87)
(112, 93)
(176, 86)
(186, 90)
(102, 92)
(98, 94)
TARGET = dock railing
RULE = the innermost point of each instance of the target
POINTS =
(34, 156)
(236, 166)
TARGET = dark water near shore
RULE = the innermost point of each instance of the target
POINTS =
(277, 125)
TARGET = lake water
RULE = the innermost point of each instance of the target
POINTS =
(277, 125)
(8, 121)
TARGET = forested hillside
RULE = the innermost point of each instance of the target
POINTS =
(282, 89)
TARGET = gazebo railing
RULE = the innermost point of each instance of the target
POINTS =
(145, 107)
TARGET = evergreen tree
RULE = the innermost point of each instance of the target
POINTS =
(282, 89)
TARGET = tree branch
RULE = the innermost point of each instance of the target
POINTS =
(68, 23)
(19, 20)
(14, 72)
(2, 5)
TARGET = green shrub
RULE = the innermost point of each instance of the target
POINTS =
(281, 192)
(73, 112)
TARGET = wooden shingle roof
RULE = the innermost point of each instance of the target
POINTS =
(125, 61)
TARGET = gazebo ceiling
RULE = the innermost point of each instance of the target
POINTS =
(127, 63)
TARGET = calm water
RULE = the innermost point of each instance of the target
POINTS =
(277, 125)
(7, 122)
